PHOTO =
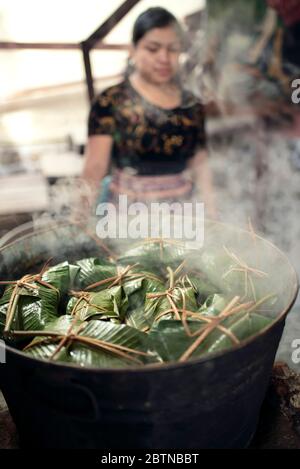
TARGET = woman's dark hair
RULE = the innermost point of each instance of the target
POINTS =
(156, 17)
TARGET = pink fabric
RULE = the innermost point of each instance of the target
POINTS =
(289, 10)
(142, 188)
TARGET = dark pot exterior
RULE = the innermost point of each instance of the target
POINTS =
(204, 403)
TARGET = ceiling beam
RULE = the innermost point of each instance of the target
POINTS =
(98, 36)
(110, 23)
(88, 71)
(8, 45)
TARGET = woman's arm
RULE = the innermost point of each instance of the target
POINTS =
(268, 29)
(97, 158)
(202, 176)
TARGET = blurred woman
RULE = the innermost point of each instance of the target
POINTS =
(148, 132)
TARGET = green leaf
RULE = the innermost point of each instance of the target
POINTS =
(214, 305)
(202, 285)
(132, 285)
(93, 270)
(232, 274)
(170, 339)
(135, 316)
(111, 317)
(60, 276)
(155, 257)
(85, 354)
(156, 306)
(60, 325)
(243, 326)
(35, 307)
(109, 303)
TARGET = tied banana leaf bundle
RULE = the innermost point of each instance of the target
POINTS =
(231, 274)
(32, 301)
(137, 289)
(155, 255)
(93, 270)
(158, 302)
(174, 342)
(165, 305)
(94, 343)
(107, 304)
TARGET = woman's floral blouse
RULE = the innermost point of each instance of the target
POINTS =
(148, 139)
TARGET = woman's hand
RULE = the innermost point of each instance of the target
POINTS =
(97, 158)
(202, 176)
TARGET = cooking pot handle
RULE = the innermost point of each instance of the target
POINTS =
(92, 414)
(87, 394)
(83, 407)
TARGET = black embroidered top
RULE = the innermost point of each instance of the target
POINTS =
(147, 138)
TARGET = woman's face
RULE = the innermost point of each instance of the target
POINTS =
(156, 55)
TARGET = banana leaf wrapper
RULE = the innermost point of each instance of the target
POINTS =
(158, 309)
(155, 257)
(94, 344)
(137, 290)
(61, 276)
(170, 340)
(233, 275)
(93, 270)
(214, 305)
(127, 304)
(34, 308)
(202, 286)
(111, 303)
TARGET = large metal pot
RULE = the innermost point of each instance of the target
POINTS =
(212, 402)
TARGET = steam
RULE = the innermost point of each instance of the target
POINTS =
(254, 159)
(254, 162)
